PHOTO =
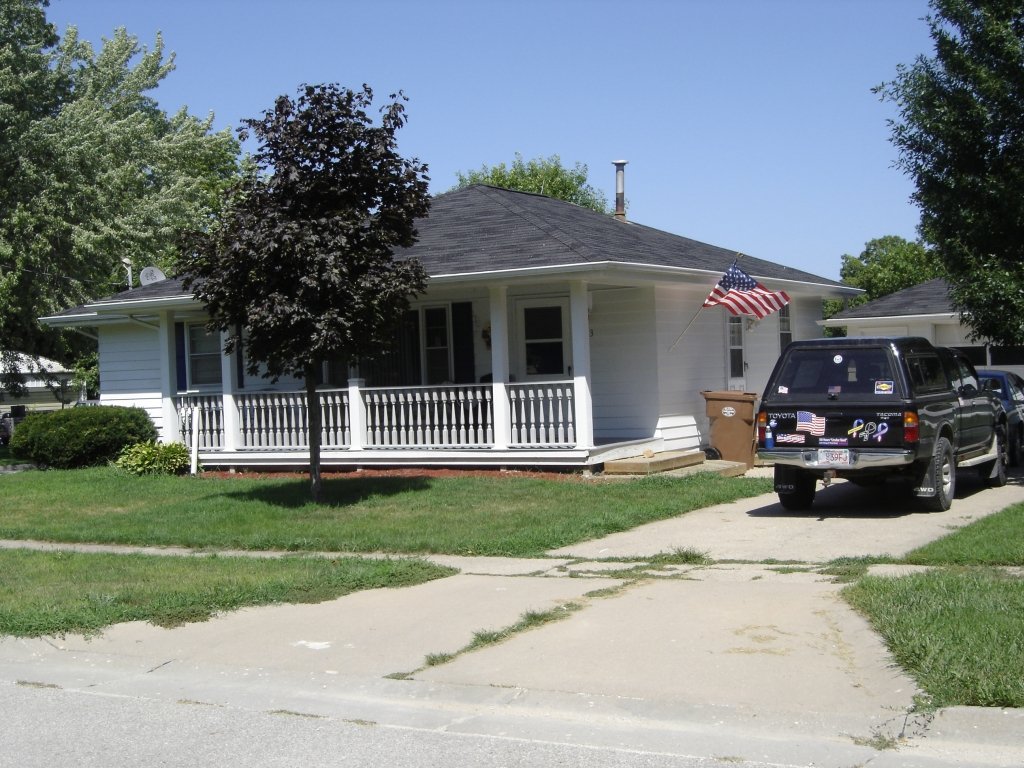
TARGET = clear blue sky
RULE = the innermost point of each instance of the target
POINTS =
(749, 124)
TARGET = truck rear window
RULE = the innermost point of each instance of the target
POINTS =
(925, 372)
(822, 371)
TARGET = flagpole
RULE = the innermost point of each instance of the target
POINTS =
(694, 318)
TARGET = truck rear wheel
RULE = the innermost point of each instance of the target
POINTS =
(944, 473)
(795, 488)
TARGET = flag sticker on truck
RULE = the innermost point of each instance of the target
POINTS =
(810, 423)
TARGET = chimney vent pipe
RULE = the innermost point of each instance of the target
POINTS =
(620, 189)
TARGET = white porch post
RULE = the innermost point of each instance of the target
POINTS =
(230, 412)
(356, 415)
(499, 365)
(168, 377)
(579, 312)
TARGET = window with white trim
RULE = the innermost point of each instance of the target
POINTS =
(736, 347)
(203, 357)
(543, 328)
(437, 344)
(785, 327)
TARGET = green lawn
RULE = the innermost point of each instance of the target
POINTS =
(46, 593)
(958, 628)
(53, 593)
(500, 515)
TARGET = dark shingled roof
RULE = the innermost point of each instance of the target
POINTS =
(484, 229)
(930, 298)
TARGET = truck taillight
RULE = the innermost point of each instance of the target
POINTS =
(762, 422)
(911, 427)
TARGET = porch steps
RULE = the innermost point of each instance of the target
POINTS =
(659, 462)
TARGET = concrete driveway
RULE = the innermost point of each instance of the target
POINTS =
(742, 661)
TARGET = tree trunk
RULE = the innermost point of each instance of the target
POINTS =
(313, 421)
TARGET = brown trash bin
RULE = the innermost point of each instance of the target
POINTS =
(732, 425)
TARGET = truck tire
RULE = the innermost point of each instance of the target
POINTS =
(945, 477)
(994, 473)
(798, 495)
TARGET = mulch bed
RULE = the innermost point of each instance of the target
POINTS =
(400, 472)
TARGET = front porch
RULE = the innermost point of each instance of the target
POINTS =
(525, 424)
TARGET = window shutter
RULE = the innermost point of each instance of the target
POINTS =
(464, 362)
(179, 347)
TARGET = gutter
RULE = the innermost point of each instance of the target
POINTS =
(835, 322)
(702, 276)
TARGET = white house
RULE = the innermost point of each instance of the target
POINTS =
(925, 310)
(545, 337)
(47, 384)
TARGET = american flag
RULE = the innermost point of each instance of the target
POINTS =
(808, 422)
(743, 295)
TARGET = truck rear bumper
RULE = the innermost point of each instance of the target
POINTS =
(859, 459)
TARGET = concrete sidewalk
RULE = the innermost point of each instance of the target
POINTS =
(743, 660)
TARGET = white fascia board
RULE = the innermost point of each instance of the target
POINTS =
(106, 312)
(183, 300)
(60, 321)
(643, 272)
(937, 317)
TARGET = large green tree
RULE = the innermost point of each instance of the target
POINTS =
(94, 174)
(960, 134)
(301, 265)
(888, 264)
(543, 175)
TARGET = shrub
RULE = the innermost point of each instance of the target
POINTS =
(80, 437)
(155, 459)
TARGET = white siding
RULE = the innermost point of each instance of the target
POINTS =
(130, 369)
(698, 361)
(763, 344)
(624, 364)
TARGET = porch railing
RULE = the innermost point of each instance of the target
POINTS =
(438, 416)
(541, 415)
(281, 419)
(204, 413)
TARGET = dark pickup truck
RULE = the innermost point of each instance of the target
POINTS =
(871, 409)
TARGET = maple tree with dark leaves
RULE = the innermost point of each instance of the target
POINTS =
(301, 263)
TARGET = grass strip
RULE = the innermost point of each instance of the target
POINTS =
(958, 632)
(497, 516)
(994, 540)
(55, 593)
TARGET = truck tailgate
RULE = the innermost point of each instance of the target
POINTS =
(835, 428)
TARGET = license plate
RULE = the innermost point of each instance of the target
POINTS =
(840, 456)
